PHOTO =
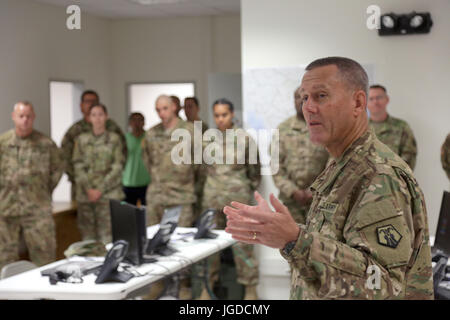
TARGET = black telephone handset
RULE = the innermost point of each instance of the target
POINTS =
(159, 243)
(109, 272)
(204, 224)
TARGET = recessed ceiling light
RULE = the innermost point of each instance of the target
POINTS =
(150, 2)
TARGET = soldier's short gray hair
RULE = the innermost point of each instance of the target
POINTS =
(23, 103)
(349, 70)
(165, 97)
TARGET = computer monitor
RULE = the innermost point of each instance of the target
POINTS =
(442, 238)
(159, 243)
(128, 223)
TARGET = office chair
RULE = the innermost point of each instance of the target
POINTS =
(16, 267)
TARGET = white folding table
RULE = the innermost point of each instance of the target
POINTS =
(31, 285)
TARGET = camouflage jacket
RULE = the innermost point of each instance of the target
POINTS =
(30, 168)
(172, 184)
(98, 162)
(300, 160)
(82, 126)
(368, 214)
(235, 181)
(445, 156)
(397, 135)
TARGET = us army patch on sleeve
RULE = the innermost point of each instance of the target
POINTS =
(388, 236)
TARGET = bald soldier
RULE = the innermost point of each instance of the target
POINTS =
(445, 156)
(88, 98)
(300, 162)
(393, 132)
(172, 184)
(30, 168)
(366, 233)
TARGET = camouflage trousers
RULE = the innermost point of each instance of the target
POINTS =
(155, 213)
(94, 221)
(243, 256)
(38, 230)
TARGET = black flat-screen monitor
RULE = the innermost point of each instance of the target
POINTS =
(128, 222)
(442, 238)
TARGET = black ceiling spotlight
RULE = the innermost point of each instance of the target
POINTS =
(400, 24)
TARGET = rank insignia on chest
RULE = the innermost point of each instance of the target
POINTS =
(388, 236)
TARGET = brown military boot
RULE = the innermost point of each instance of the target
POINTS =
(250, 293)
(204, 295)
(156, 290)
(185, 292)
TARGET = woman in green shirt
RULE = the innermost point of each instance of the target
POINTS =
(135, 176)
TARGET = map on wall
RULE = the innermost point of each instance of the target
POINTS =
(268, 96)
(268, 100)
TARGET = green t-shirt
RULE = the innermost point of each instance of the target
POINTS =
(135, 173)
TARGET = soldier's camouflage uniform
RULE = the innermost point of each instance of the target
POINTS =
(172, 184)
(68, 144)
(397, 135)
(98, 163)
(300, 162)
(368, 214)
(30, 168)
(233, 182)
(445, 156)
(199, 177)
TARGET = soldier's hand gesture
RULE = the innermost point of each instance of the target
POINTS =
(259, 224)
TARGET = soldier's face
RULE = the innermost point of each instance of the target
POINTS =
(190, 109)
(88, 101)
(23, 117)
(223, 116)
(166, 110)
(327, 106)
(378, 101)
(98, 117)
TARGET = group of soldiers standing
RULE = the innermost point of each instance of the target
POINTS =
(94, 152)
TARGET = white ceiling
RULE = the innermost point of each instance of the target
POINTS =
(116, 9)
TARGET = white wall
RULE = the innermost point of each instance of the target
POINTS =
(415, 69)
(181, 49)
(105, 55)
(36, 47)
